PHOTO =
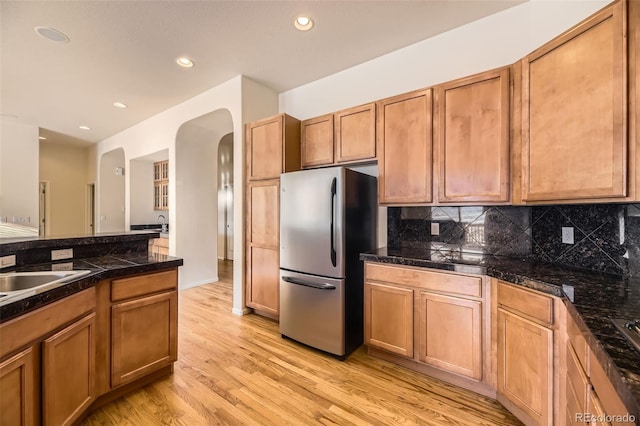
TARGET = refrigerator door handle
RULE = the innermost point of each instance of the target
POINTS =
(333, 197)
(298, 281)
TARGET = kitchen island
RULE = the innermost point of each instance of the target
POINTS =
(88, 340)
(590, 301)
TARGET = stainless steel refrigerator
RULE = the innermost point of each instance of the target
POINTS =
(327, 218)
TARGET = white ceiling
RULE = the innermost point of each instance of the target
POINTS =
(125, 51)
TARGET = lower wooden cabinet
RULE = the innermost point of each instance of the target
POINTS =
(450, 333)
(388, 321)
(159, 246)
(68, 372)
(144, 336)
(18, 398)
(525, 365)
(54, 359)
(441, 312)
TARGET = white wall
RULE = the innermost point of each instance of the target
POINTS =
(491, 42)
(246, 101)
(65, 168)
(111, 201)
(141, 193)
(19, 151)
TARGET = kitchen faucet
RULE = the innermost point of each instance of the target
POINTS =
(162, 220)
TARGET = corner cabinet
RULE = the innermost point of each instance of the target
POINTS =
(574, 113)
(526, 353)
(473, 138)
(273, 147)
(405, 149)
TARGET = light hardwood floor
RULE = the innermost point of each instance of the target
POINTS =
(239, 371)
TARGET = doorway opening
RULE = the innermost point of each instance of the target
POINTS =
(44, 225)
(91, 209)
(225, 198)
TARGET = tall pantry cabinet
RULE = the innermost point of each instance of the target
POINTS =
(272, 148)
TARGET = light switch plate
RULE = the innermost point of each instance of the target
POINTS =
(567, 235)
(435, 228)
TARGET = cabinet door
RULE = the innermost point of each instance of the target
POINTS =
(525, 365)
(473, 138)
(263, 279)
(18, 401)
(265, 148)
(388, 318)
(263, 246)
(356, 134)
(144, 335)
(574, 113)
(450, 334)
(157, 196)
(405, 146)
(68, 372)
(317, 141)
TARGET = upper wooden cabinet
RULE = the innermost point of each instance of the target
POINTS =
(316, 138)
(405, 148)
(273, 147)
(574, 113)
(347, 136)
(355, 134)
(473, 138)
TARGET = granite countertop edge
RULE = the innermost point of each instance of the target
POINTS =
(106, 267)
(626, 381)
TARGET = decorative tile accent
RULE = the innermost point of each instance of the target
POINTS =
(606, 236)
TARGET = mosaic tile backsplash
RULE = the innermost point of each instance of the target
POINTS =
(606, 236)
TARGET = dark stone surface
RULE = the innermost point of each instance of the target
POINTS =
(38, 250)
(607, 236)
(592, 298)
(105, 267)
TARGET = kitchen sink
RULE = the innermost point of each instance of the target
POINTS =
(14, 284)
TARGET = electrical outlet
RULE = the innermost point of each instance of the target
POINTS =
(567, 234)
(61, 254)
(66, 266)
(6, 261)
(435, 228)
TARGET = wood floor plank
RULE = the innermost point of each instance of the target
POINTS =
(239, 371)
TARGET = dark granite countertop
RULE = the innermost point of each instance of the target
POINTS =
(11, 245)
(102, 267)
(592, 299)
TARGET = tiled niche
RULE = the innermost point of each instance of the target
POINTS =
(606, 236)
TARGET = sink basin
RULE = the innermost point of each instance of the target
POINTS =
(14, 284)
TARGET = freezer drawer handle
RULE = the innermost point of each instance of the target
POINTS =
(319, 286)
(333, 197)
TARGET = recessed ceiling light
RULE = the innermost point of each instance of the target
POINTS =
(42, 138)
(52, 34)
(119, 105)
(303, 23)
(185, 62)
(85, 127)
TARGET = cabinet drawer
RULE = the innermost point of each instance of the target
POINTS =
(144, 284)
(578, 343)
(532, 304)
(426, 279)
